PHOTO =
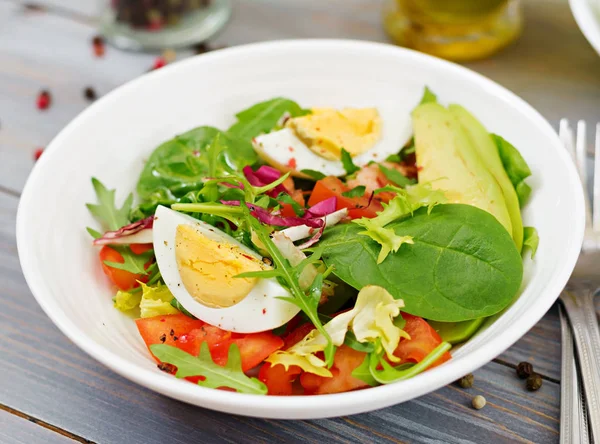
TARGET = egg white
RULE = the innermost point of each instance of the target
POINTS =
(278, 148)
(260, 310)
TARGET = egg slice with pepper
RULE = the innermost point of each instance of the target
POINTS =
(199, 264)
(315, 141)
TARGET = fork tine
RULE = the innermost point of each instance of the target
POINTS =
(581, 153)
(596, 194)
(566, 137)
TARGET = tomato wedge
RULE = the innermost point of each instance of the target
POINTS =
(121, 278)
(188, 335)
(344, 363)
(333, 187)
(423, 340)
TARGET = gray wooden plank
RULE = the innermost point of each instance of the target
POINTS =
(44, 375)
(17, 430)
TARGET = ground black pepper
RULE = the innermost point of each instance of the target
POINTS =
(168, 368)
(163, 338)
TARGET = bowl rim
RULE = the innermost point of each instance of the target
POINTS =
(301, 407)
(587, 17)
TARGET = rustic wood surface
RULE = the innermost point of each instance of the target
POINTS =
(50, 391)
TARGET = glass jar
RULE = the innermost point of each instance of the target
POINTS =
(458, 30)
(160, 24)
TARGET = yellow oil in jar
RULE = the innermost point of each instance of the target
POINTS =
(458, 30)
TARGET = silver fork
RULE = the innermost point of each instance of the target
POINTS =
(578, 296)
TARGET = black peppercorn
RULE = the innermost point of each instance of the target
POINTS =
(524, 370)
(534, 382)
(466, 381)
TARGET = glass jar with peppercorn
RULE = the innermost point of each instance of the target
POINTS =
(160, 24)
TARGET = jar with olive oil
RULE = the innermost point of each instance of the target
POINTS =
(458, 30)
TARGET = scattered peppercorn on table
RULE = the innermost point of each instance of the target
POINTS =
(52, 66)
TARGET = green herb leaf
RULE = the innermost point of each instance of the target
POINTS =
(363, 373)
(389, 374)
(394, 158)
(286, 198)
(515, 166)
(263, 117)
(313, 174)
(531, 240)
(231, 375)
(348, 163)
(396, 176)
(95, 234)
(428, 96)
(133, 263)
(351, 341)
(176, 304)
(357, 191)
(105, 210)
(463, 263)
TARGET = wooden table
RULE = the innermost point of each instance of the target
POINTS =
(50, 391)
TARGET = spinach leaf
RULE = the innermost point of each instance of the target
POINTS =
(462, 265)
(396, 176)
(531, 240)
(347, 163)
(230, 375)
(358, 191)
(263, 117)
(179, 165)
(515, 166)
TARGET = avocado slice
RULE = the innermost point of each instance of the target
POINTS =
(448, 160)
(457, 332)
(488, 152)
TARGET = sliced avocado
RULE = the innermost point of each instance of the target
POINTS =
(457, 332)
(488, 152)
(448, 160)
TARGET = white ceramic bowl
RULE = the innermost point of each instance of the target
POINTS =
(112, 138)
(587, 16)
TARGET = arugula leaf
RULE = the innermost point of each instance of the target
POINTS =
(263, 117)
(463, 263)
(105, 211)
(313, 174)
(351, 341)
(531, 240)
(290, 277)
(428, 96)
(133, 263)
(388, 374)
(396, 176)
(176, 304)
(515, 166)
(95, 234)
(348, 164)
(357, 191)
(363, 372)
(231, 375)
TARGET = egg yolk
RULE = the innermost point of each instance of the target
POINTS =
(207, 268)
(326, 131)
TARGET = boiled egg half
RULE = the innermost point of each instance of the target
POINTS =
(199, 262)
(315, 141)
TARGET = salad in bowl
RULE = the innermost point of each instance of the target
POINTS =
(309, 251)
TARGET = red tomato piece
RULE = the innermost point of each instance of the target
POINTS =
(334, 187)
(278, 380)
(423, 340)
(157, 330)
(344, 363)
(121, 278)
(140, 248)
